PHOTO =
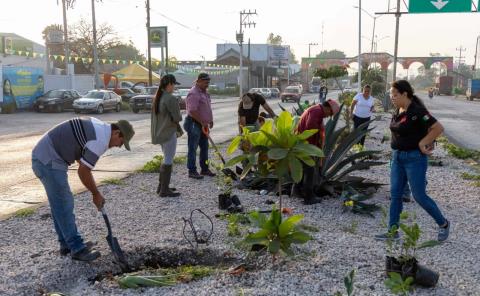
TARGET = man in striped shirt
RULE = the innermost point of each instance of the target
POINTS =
(83, 140)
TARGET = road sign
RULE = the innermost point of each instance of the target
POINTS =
(439, 6)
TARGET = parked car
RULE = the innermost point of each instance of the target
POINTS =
(265, 92)
(144, 100)
(291, 93)
(125, 92)
(56, 100)
(275, 92)
(182, 96)
(98, 101)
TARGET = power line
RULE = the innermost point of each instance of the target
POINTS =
(190, 28)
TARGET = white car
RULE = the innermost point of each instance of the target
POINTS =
(265, 92)
(98, 101)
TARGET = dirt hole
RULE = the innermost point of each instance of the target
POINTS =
(150, 259)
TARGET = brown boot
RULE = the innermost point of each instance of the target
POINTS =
(165, 175)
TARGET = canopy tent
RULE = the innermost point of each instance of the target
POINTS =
(136, 73)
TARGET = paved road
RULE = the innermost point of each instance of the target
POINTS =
(460, 118)
(19, 133)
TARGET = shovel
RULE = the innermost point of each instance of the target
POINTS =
(227, 171)
(114, 246)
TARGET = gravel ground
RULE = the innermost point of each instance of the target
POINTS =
(147, 225)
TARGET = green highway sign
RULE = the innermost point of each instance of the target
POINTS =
(436, 6)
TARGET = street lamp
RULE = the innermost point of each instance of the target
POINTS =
(310, 44)
(374, 22)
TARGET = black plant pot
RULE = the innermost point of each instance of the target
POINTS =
(422, 275)
(224, 201)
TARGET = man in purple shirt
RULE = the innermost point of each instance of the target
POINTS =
(199, 116)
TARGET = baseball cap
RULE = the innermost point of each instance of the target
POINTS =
(203, 76)
(169, 78)
(334, 105)
(247, 102)
(127, 132)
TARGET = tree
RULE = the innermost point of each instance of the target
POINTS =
(274, 40)
(375, 78)
(81, 41)
(332, 54)
(124, 51)
(54, 49)
(334, 72)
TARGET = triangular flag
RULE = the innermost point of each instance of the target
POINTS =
(90, 60)
(20, 52)
(62, 58)
(104, 60)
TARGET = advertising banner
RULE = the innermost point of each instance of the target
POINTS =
(21, 86)
(158, 37)
(278, 56)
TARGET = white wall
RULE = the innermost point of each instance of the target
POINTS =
(81, 83)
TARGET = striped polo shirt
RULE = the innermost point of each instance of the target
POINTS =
(84, 139)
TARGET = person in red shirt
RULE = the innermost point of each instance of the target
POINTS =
(312, 118)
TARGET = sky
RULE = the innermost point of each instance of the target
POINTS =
(195, 27)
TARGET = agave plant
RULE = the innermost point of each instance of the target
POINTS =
(277, 150)
(339, 160)
(355, 202)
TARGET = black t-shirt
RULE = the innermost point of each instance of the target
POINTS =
(251, 115)
(410, 126)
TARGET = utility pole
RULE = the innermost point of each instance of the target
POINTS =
(475, 60)
(244, 22)
(65, 34)
(147, 4)
(360, 46)
(308, 65)
(460, 58)
(395, 51)
(95, 54)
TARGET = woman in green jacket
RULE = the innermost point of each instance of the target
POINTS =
(165, 130)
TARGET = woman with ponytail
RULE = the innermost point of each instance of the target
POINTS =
(414, 131)
(165, 129)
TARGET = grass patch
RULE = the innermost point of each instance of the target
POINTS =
(476, 183)
(152, 166)
(113, 181)
(24, 213)
(467, 176)
(180, 159)
(352, 228)
(458, 152)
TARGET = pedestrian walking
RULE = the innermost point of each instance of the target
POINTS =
(199, 117)
(83, 140)
(414, 131)
(165, 129)
(312, 118)
(362, 108)
(323, 93)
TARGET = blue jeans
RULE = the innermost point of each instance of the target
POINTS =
(410, 166)
(196, 138)
(60, 199)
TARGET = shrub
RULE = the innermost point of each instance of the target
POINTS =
(24, 212)
(113, 181)
(126, 106)
(153, 166)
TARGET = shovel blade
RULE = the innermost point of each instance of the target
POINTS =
(118, 253)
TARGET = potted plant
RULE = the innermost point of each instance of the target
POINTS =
(401, 258)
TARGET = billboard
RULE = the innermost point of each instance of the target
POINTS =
(278, 56)
(158, 37)
(21, 86)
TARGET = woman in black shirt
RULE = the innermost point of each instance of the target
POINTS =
(413, 132)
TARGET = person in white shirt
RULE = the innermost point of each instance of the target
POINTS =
(362, 109)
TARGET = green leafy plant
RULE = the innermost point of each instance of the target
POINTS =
(339, 161)
(235, 222)
(22, 213)
(459, 152)
(276, 235)
(152, 166)
(165, 277)
(113, 181)
(354, 201)
(348, 281)
(398, 285)
(180, 159)
(277, 150)
(333, 72)
(125, 106)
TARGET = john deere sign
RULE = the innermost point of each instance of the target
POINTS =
(158, 36)
(436, 6)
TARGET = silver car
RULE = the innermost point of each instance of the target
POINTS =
(98, 101)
